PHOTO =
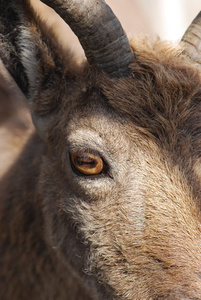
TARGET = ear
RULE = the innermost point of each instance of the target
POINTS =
(29, 52)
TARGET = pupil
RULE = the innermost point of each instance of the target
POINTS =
(85, 160)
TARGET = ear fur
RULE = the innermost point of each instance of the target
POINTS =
(29, 51)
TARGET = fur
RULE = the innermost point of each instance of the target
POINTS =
(133, 233)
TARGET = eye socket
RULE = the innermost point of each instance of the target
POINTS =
(87, 163)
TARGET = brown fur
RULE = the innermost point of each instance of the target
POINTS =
(132, 234)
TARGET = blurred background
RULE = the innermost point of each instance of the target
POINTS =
(166, 18)
(169, 18)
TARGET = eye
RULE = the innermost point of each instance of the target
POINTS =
(87, 163)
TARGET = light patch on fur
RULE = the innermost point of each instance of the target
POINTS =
(83, 137)
(197, 168)
(135, 197)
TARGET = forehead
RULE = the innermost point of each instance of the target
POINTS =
(98, 126)
(162, 95)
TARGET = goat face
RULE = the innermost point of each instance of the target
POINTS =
(120, 182)
(136, 222)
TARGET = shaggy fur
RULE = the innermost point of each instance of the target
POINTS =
(132, 233)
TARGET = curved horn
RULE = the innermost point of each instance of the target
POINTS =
(192, 40)
(99, 31)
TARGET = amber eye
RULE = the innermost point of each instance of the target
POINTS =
(87, 163)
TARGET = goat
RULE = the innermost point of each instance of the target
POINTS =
(103, 201)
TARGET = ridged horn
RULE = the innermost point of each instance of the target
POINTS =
(100, 33)
(192, 40)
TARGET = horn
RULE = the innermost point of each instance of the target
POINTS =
(100, 33)
(192, 40)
